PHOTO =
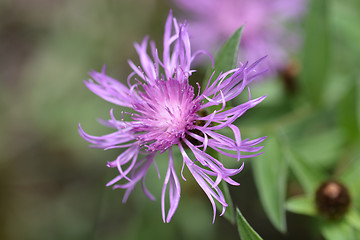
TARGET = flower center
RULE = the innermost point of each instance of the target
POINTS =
(168, 110)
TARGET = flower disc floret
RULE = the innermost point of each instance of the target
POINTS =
(167, 110)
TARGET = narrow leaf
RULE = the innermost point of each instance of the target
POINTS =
(345, 19)
(350, 177)
(246, 232)
(357, 99)
(353, 218)
(336, 230)
(308, 176)
(270, 172)
(226, 57)
(301, 205)
(348, 112)
(230, 211)
(316, 51)
(321, 149)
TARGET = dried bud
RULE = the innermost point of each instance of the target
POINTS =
(289, 76)
(332, 199)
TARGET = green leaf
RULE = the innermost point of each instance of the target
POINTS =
(316, 51)
(321, 149)
(308, 176)
(246, 232)
(345, 19)
(348, 112)
(226, 57)
(230, 212)
(337, 230)
(270, 171)
(301, 205)
(353, 218)
(357, 99)
(350, 177)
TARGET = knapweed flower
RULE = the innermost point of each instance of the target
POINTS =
(167, 113)
(266, 26)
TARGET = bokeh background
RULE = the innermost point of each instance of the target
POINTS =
(52, 186)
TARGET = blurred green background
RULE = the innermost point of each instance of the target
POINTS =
(52, 186)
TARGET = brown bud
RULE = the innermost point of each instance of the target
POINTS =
(289, 76)
(332, 199)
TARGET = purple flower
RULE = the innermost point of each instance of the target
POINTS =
(265, 31)
(167, 114)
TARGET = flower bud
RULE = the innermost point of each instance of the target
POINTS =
(332, 199)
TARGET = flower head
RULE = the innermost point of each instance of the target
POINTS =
(265, 31)
(168, 113)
